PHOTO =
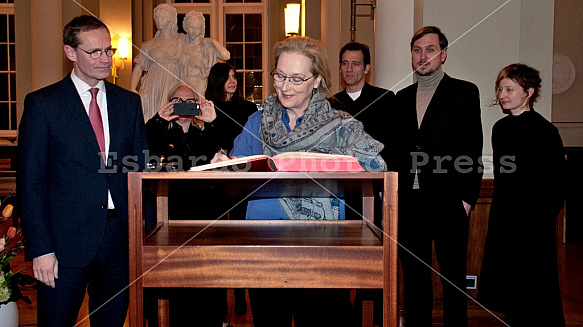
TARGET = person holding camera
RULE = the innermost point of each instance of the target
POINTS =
(181, 134)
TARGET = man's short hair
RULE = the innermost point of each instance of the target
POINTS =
(430, 30)
(356, 46)
(79, 24)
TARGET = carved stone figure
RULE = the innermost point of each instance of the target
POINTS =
(199, 54)
(171, 58)
(160, 59)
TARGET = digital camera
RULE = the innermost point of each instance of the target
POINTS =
(186, 109)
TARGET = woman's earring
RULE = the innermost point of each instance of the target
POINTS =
(314, 91)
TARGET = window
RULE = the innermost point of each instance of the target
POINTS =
(241, 26)
(244, 41)
(7, 70)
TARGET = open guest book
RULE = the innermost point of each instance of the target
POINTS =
(288, 161)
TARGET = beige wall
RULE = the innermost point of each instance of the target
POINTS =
(485, 36)
(393, 64)
(568, 106)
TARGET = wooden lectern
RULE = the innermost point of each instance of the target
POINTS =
(238, 253)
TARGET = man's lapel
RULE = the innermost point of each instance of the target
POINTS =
(75, 117)
(115, 121)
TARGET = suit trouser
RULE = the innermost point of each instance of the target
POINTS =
(104, 278)
(423, 219)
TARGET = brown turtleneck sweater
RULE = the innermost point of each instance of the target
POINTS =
(425, 89)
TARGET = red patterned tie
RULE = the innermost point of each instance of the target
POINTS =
(96, 123)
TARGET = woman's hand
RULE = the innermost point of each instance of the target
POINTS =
(221, 157)
(207, 111)
(167, 112)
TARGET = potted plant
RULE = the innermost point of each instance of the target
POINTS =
(11, 243)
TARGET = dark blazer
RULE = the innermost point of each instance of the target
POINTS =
(60, 179)
(449, 140)
(374, 108)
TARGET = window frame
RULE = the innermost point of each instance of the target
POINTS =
(8, 9)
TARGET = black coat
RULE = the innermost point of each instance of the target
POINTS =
(446, 151)
(449, 138)
(519, 268)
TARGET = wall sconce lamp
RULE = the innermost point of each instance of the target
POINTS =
(292, 19)
(123, 50)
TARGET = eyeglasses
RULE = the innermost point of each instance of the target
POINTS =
(179, 100)
(295, 80)
(95, 54)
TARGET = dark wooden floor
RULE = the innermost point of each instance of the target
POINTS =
(571, 285)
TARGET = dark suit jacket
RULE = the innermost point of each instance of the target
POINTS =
(374, 108)
(449, 139)
(60, 179)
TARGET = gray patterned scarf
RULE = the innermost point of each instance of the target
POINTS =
(322, 130)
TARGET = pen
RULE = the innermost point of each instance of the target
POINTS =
(222, 151)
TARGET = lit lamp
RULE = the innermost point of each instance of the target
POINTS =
(123, 50)
(292, 19)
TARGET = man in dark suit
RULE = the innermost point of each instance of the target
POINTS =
(439, 159)
(367, 103)
(372, 106)
(77, 139)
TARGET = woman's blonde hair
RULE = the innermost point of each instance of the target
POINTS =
(313, 50)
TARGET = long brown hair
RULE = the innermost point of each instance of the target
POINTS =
(218, 76)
